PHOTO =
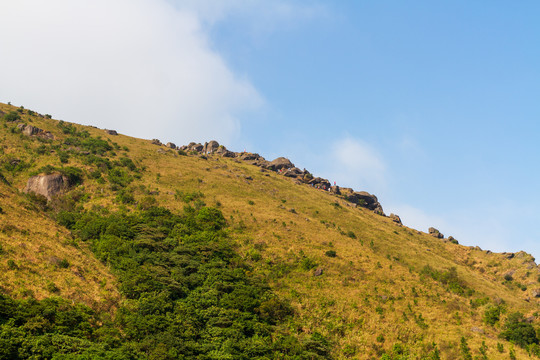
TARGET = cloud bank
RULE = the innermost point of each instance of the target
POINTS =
(142, 67)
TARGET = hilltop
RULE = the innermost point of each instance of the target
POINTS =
(94, 217)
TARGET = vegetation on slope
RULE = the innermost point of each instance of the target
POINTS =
(383, 291)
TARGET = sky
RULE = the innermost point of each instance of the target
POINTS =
(432, 106)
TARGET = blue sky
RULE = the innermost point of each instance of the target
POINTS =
(432, 106)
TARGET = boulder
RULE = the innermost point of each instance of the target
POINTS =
(48, 185)
(46, 135)
(536, 293)
(196, 147)
(395, 218)
(249, 156)
(111, 132)
(156, 142)
(318, 272)
(435, 233)
(30, 130)
(294, 173)
(335, 190)
(171, 145)
(366, 200)
(320, 183)
(280, 163)
(211, 147)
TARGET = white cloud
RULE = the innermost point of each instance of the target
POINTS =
(142, 67)
(354, 163)
(261, 14)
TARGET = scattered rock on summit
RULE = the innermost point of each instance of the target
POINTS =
(435, 233)
(47, 185)
(171, 145)
(111, 132)
(211, 147)
(395, 218)
(280, 163)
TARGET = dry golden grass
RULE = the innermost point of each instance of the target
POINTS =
(372, 288)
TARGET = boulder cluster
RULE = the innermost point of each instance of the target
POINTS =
(30, 130)
(282, 166)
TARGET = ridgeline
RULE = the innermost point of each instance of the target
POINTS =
(114, 247)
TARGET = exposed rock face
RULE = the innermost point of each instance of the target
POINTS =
(365, 199)
(47, 185)
(280, 163)
(435, 233)
(171, 145)
(395, 218)
(294, 173)
(211, 147)
(111, 132)
(30, 130)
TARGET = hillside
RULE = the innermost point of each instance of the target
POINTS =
(345, 281)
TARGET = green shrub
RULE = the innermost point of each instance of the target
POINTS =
(492, 315)
(12, 116)
(64, 264)
(351, 234)
(518, 331)
(12, 265)
(330, 253)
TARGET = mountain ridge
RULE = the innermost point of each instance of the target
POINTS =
(360, 279)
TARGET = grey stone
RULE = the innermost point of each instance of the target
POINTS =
(47, 185)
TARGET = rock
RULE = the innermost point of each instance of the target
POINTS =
(280, 163)
(47, 135)
(197, 147)
(477, 330)
(211, 147)
(335, 190)
(21, 126)
(161, 151)
(111, 132)
(395, 218)
(536, 293)
(318, 272)
(293, 172)
(508, 255)
(156, 142)
(248, 156)
(171, 145)
(47, 185)
(435, 233)
(366, 200)
(30, 130)
(228, 154)
(509, 275)
(320, 183)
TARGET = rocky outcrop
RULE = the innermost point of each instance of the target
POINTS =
(435, 233)
(171, 145)
(30, 130)
(280, 163)
(156, 142)
(365, 199)
(111, 132)
(395, 218)
(286, 168)
(48, 185)
(535, 293)
(211, 147)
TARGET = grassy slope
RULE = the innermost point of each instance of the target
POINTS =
(372, 288)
